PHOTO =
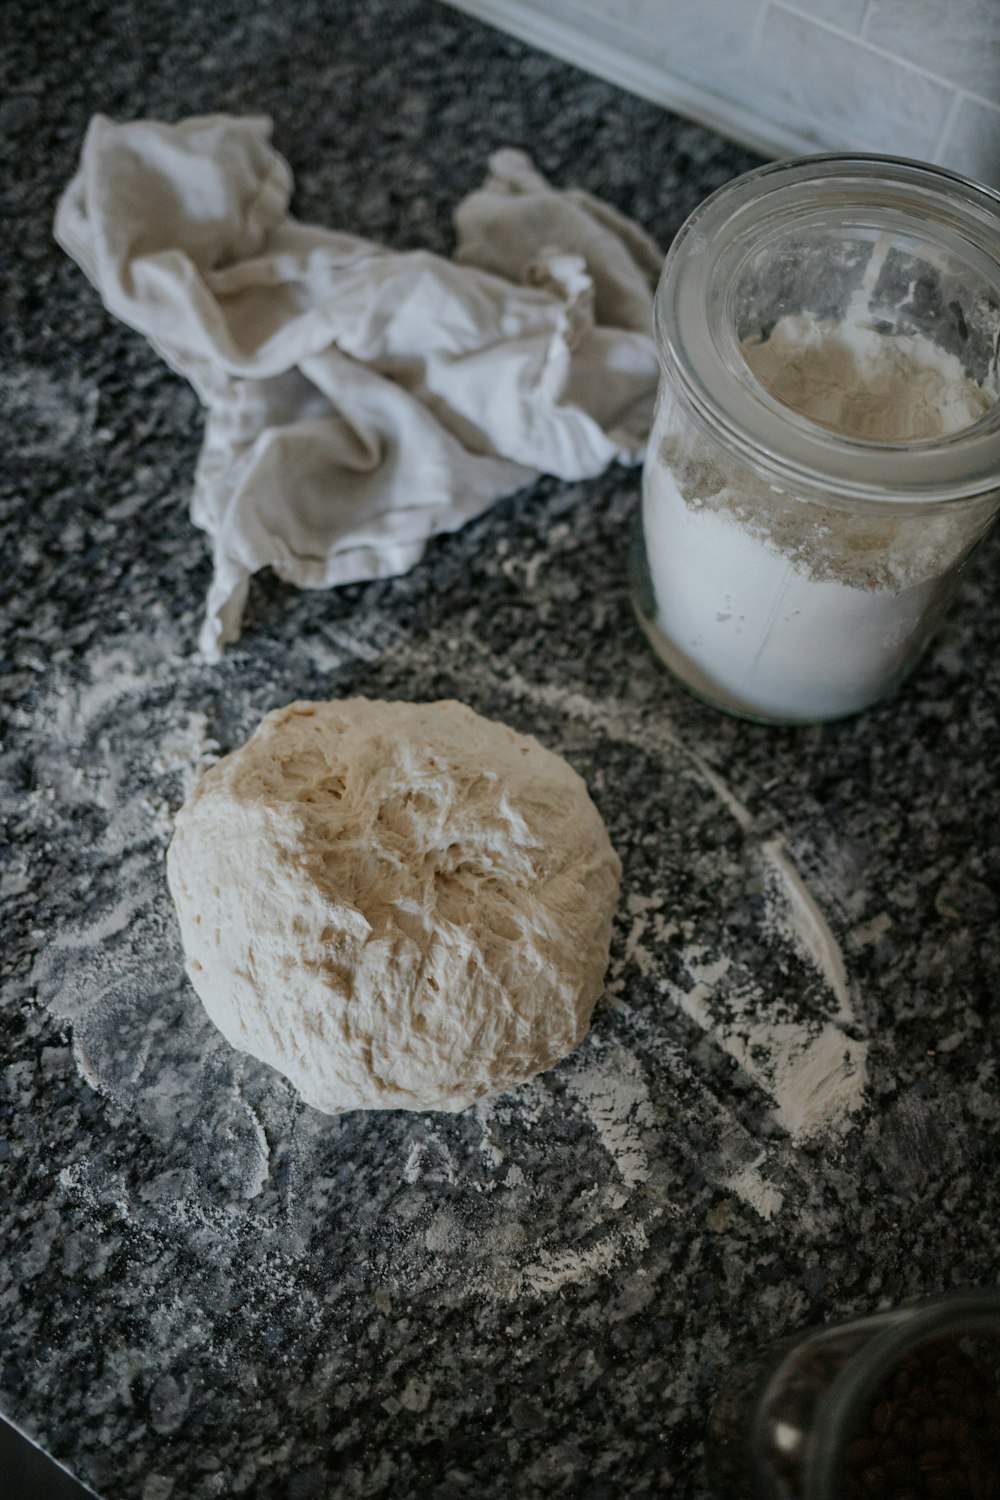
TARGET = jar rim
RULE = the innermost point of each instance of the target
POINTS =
(906, 1328)
(789, 451)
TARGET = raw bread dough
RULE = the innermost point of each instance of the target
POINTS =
(398, 905)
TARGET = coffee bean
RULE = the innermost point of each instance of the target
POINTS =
(931, 1431)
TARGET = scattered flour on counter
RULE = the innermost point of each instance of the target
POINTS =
(493, 1252)
(185, 751)
(237, 1157)
(650, 929)
(122, 746)
(614, 1096)
(815, 1073)
(737, 1163)
(414, 1158)
(560, 1268)
(258, 1162)
(748, 1185)
(818, 1080)
(731, 803)
(187, 748)
(796, 909)
(115, 673)
(806, 922)
(115, 917)
(92, 1070)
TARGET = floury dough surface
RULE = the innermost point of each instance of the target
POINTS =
(797, 609)
(398, 905)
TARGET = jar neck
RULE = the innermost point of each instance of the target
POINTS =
(775, 240)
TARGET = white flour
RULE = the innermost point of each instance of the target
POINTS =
(789, 609)
(614, 1096)
(814, 1071)
(239, 1162)
(880, 387)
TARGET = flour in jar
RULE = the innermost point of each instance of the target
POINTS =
(791, 609)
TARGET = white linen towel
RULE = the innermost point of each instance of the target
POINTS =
(360, 400)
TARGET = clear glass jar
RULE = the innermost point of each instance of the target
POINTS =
(825, 451)
(898, 1404)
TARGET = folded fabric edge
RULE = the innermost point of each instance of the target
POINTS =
(227, 594)
(562, 273)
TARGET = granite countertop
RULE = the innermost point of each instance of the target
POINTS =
(207, 1289)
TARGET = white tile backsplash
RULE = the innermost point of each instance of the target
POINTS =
(955, 39)
(972, 144)
(906, 77)
(627, 12)
(700, 38)
(862, 98)
(610, 22)
(846, 15)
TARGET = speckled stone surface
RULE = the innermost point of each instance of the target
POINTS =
(209, 1290)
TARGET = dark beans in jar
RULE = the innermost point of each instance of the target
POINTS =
(932, 1429)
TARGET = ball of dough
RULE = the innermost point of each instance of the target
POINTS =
(397, 905)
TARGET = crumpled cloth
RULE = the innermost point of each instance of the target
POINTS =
(360, 400)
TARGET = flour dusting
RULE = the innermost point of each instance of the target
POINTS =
(617, 1104)
(240, 1162)
(808, 924)
(763, 1197)
(187, 749)
(557, 1269)
(814, 1072)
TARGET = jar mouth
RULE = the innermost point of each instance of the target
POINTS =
(954, 1314)
(901, 250)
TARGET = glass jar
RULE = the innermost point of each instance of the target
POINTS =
(896, 1404)
(825, 452)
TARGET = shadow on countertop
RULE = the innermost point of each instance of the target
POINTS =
(27, 1474)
